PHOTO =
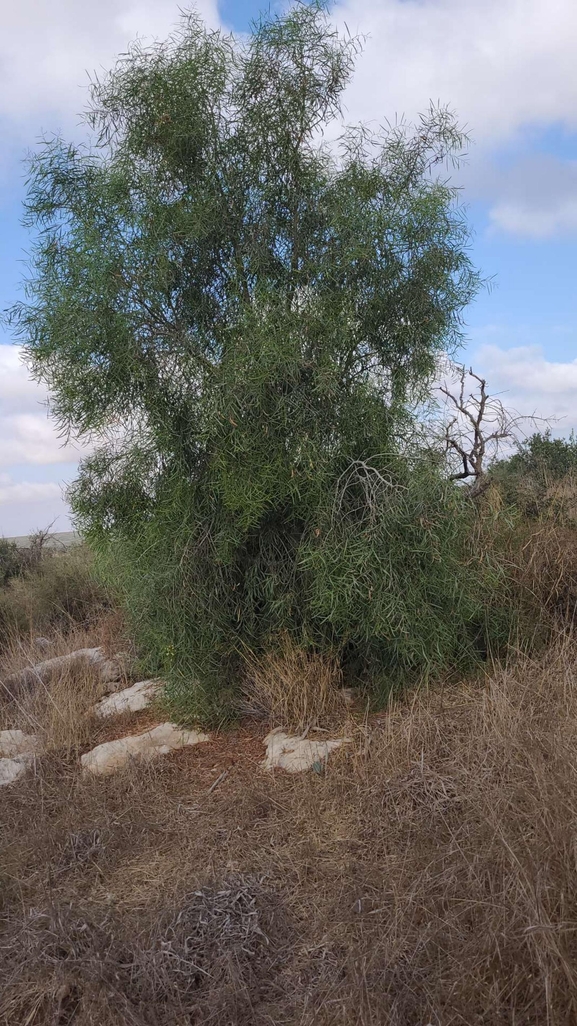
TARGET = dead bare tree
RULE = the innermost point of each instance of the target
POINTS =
(478, 427)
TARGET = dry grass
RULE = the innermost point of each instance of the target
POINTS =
(293, 688)
(57, 592)
(57, 711)
(430, 876)
(546, 568)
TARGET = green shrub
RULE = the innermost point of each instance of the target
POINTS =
(248, 316)
(11, 560)
(540, 478)
(398, 588)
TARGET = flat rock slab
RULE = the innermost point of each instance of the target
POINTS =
(297, 754)
(12, 769)
(42, 644)
(113, 755)
(137, 696)
(16, 742)
(107, 670)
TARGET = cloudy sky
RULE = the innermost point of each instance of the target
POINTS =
(507, 67)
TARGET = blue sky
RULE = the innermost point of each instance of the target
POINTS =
(507, 67)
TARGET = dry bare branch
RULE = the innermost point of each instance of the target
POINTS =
(478, 425)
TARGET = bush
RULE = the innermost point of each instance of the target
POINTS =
(248, 318)
(540, 478)
(59, 592)
(397, 590)
(12, 560)
(537, 487)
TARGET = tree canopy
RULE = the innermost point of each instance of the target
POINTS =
(240, 297)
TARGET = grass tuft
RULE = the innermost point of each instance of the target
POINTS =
(294, 688)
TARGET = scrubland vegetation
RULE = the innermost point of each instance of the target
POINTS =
(246, 319)
(282, 525)
(427, 876)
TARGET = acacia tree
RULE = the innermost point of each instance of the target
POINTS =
(239, 311)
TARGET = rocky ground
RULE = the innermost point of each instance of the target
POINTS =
(423, 871)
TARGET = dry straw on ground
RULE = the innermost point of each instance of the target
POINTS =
(429, 876)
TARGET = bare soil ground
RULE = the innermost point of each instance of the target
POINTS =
(429, 876)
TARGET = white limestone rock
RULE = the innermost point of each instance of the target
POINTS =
(107, 670)
(137, 696)
(297, 754)
(113, 755)
(12, 769)
(15, 742)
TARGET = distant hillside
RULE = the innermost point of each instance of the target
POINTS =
(58, 540)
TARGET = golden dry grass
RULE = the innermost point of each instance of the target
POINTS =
(545, 565)
(293, 688)
(58, 711)
(54, 592)
(430, 876)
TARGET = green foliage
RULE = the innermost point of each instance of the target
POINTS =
(11, 560)
(540, 478)
(542, 455)
(390, 574)
(246, 314)
(400, 571)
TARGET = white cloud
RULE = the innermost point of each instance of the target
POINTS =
(534, 196)
(27, 434)
(48, 46)
(17, 390)
(33, 439)
(501, 64)
(27, 506)
(531, 384)
(29, 491)
(557, 218)
(28, 440)
(507, 68)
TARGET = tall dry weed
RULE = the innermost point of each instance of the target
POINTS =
(294, 688)
(544, 565)
(57, 710)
